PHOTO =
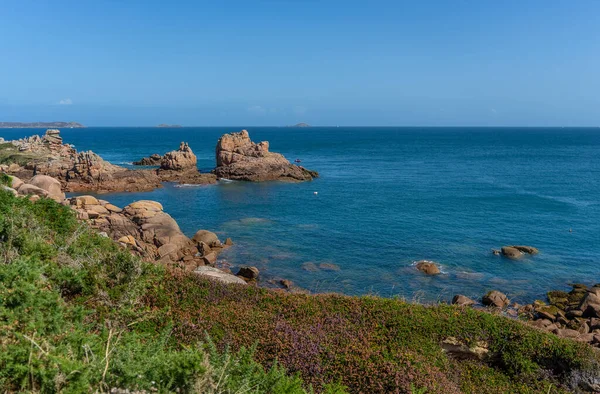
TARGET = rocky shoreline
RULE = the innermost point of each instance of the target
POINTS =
(51, 168)
(81, 172)
(146, 230)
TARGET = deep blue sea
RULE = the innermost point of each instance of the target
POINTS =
(388, 197)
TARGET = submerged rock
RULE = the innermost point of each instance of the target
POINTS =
(310, 266)
(515, 252)
(329, 267)
(428, 267)
(511, 253)
(241, 159)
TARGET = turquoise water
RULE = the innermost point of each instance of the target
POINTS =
(390, 196)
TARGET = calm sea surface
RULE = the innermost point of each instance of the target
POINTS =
(388, 197)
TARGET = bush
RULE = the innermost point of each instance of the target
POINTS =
(71, 320)
(79, 313)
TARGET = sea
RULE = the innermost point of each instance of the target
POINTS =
(386, 198)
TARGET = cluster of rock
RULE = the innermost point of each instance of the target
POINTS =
(144, 228)
(237, 157)
(574, 315)
(148, 231)
(86, 171)
(178, 166)
(241, 159)
(182, 159)
(37, 187)
(515, 252)
(76, 171)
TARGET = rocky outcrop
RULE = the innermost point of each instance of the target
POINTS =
(241, 159)
(86, 171)
(574, 315)
(179, 160)
(76, 171)
(178, 166)
(182, 159)
(52, 137)
(145, 229)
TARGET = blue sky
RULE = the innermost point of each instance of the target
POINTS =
(135, 63)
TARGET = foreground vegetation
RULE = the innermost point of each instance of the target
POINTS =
(80, 314)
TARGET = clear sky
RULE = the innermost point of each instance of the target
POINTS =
(252, 62)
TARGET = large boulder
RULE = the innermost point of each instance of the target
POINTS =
(157, 227)
(31, 190)
(179, 160)
(496, 299)
(15, 182)
(590, 305)
(207, 237)
(249, 273)
(51, 185)
(217, 274)
(239, 158)
(52, 137)
(462, 300)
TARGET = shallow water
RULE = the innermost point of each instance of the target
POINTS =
(388, 197)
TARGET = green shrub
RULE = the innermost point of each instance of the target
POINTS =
(71, 320)
(5, 179)
(78, 313)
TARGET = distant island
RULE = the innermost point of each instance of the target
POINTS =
(301, 125)
(40, 125)
(169, 125)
